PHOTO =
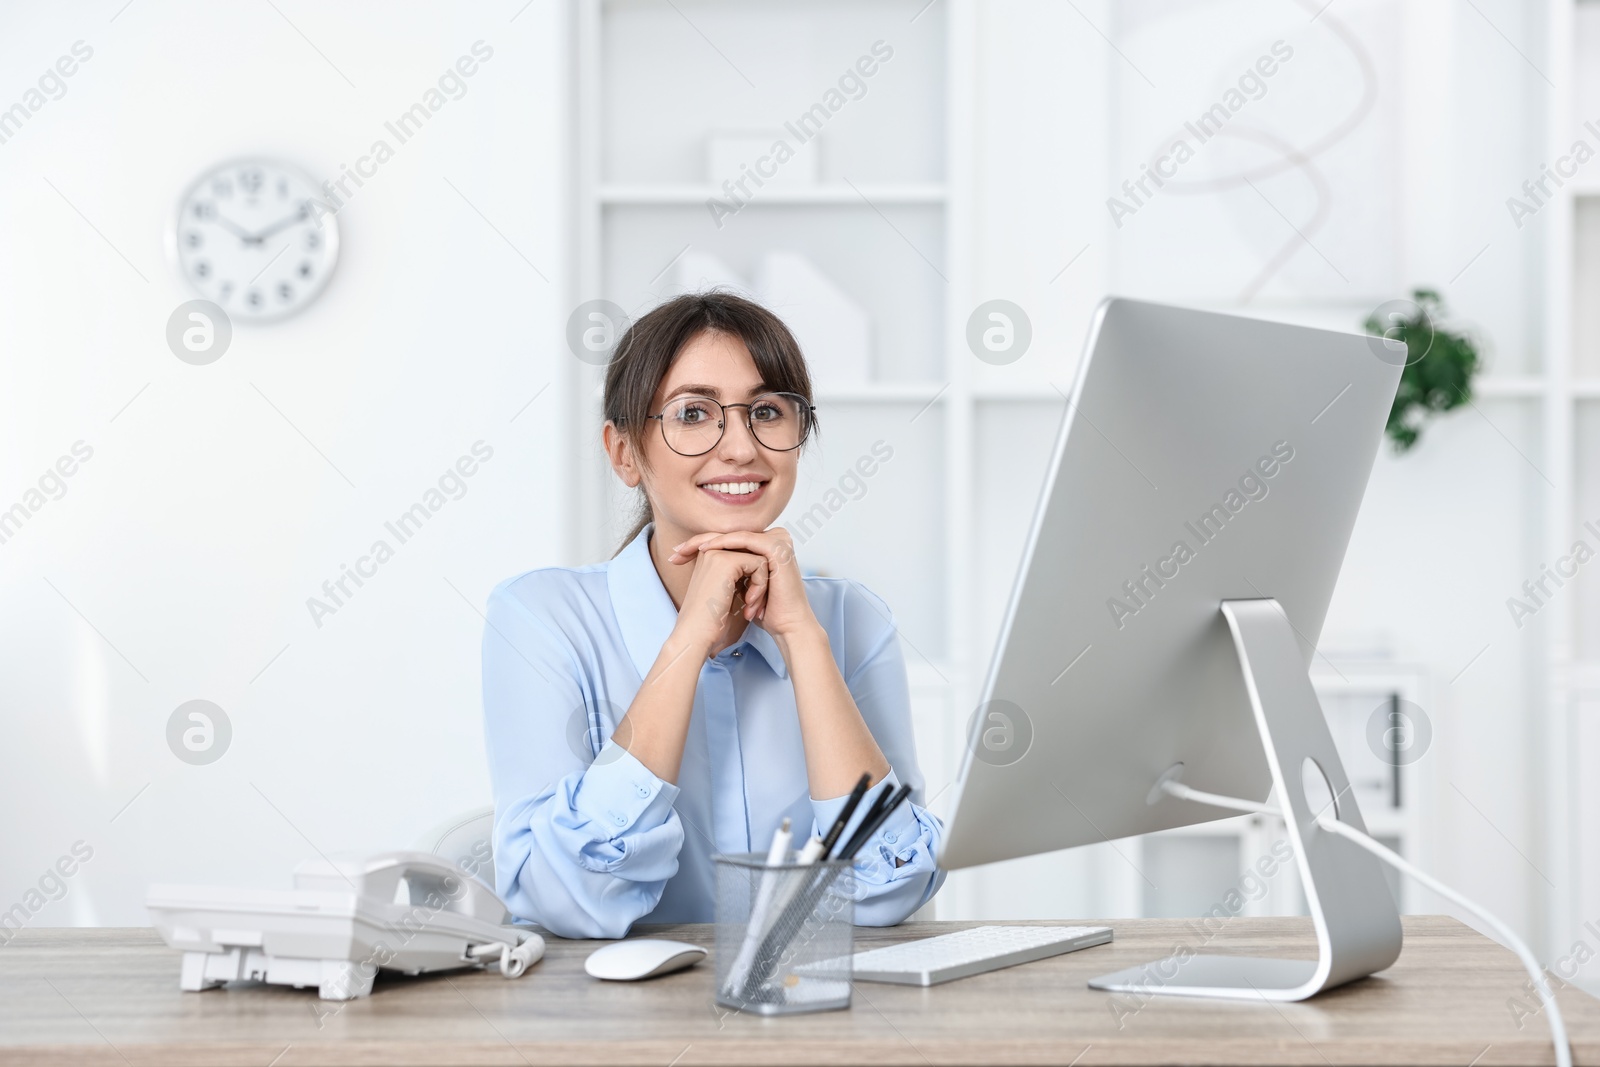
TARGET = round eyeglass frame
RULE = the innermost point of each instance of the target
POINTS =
(809, 410)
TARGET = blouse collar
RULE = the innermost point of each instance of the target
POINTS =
(645, 614)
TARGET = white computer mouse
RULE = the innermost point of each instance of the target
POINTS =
(641, 957)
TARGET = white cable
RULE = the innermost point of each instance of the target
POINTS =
(1558, 1027)
(1330, 822)
(525, 955)
(1216, 800)
(515, 959)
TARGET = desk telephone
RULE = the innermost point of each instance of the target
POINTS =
(344, 919)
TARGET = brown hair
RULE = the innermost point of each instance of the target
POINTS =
(648, 348)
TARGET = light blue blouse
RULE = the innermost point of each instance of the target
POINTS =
(587, 840)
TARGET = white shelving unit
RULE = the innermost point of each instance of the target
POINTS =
(884, 220)
(888, 220)
(1585, 812)
(1571, 461)
(666, 195)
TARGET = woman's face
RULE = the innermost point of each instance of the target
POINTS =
(739, 484)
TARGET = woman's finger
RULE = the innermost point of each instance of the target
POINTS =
(687, 549)
(755, 594)
(752, 574)
(773, 544)
(738, 574)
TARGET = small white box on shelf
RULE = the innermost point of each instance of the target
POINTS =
(833, 330)
(771, 156)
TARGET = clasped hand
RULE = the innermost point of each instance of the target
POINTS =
(742, 577)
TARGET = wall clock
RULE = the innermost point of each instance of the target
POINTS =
(246, 237)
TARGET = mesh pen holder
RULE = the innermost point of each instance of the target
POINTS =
(784, 934)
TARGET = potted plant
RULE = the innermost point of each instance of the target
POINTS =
(1439, 362)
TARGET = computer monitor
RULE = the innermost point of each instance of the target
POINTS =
(1195, 513)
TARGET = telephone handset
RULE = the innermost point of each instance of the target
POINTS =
(346, 918)
(426, 877)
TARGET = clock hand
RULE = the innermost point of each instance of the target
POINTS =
(238, 231)
(280, 224)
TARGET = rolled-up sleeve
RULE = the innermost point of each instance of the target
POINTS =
(895, 872)
(584, 841)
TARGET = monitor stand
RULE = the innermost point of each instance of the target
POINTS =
(1357, 923)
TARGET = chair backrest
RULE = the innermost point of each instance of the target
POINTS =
(466, 841)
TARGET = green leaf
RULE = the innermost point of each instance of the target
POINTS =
(1440, 365)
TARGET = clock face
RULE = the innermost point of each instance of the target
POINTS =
(247, 237)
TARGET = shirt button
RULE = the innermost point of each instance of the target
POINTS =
(644, 790)
(620, 820)
(889, 837)
(738, 652)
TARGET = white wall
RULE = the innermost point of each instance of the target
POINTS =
(188, 545)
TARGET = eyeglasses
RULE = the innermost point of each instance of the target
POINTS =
(692, 425)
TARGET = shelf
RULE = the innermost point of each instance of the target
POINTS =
(1509, 386)
(1490, 386)
(1385, 822)
(1370, 670)
(885, 393)
(1023, 391)
(678, 195)
(871, 393)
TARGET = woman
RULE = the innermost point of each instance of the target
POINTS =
(751, 693)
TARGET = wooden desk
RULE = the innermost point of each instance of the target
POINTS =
(112, 997)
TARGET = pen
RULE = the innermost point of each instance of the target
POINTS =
(866, 817)
(869, 825)
(776, 853)
(780, 844)
(844, 814)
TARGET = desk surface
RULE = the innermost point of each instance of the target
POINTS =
(111, 996)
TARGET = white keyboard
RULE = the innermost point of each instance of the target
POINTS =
(967, 952)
